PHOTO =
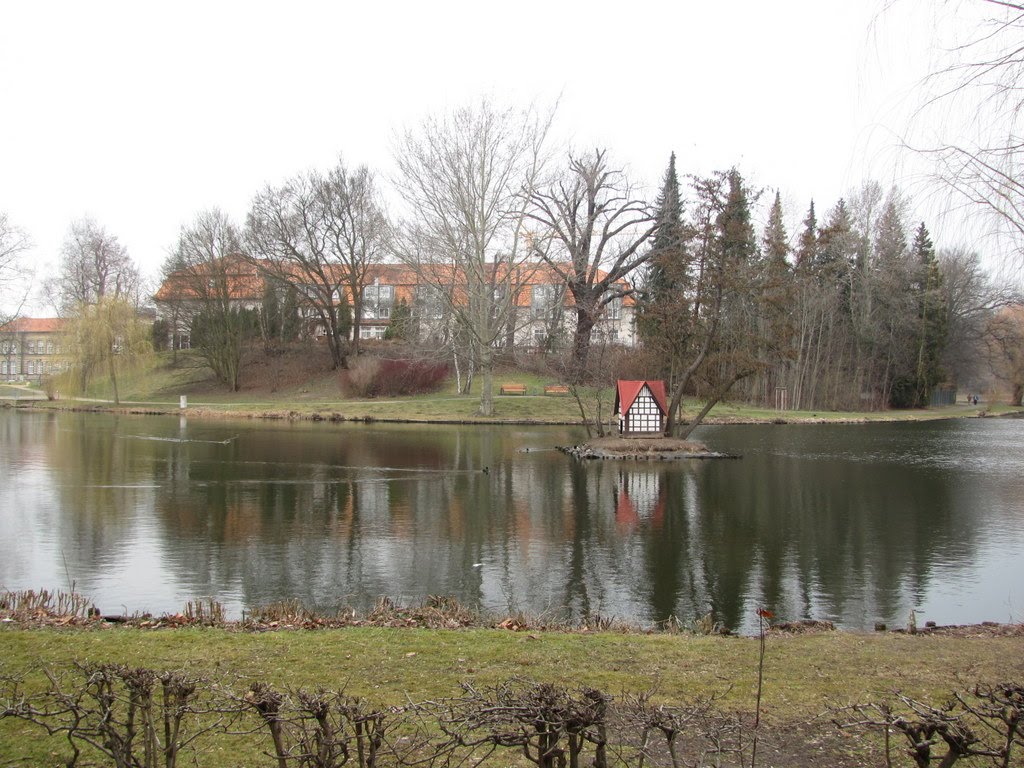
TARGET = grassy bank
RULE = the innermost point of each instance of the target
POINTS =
(284, 387)
(803, 674)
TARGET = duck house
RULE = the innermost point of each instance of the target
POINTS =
(641, 407)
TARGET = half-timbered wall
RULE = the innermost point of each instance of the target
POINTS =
(644, 415)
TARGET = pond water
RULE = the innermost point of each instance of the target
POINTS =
(853, 523)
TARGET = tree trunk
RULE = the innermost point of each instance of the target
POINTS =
(357, 319)
(112, 366)
(581, 340)
(711, 403)
(487, 387)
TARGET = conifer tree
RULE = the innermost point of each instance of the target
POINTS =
(807, 249)
(669, 241)
(890, 237)
(837, 246)
(932, 315)
(778, 293)
(734, 338)
(667, 280)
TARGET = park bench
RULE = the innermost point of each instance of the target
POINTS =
(513, 389)
(556, 389)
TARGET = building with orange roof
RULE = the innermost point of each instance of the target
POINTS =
(30, 348)
(542, 319)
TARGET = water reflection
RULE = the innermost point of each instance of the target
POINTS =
(853, 524)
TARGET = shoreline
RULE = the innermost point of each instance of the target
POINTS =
(43, 609)
(334, 415)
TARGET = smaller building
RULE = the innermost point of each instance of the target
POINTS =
(641, 407)
(30, 348)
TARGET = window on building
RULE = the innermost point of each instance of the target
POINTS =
(430, 301)
(544, 301)
(377, 302)
(31, 367)
(49, 347)
(540, 337)
(3, 368)
(371, 332)
(31, 348)
(613, 309)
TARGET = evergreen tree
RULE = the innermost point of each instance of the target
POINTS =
(731, 336)
(663, 309)
(776, 282)
(775, 244)
(400, 326)
(734, 223)
(807, 249)
(890, 237)
(932, 315)
(669, 241)
(291, 321)
(837, 244)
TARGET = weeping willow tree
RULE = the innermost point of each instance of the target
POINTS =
(105, 338)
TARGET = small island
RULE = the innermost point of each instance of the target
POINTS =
(646, 449)
(641, 410)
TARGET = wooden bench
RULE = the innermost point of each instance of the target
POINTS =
(556, 389)
(513, 389)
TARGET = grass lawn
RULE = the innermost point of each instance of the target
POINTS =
(804, 674)
(285, 388)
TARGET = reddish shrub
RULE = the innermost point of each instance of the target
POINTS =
(372, 377)
(409, 377)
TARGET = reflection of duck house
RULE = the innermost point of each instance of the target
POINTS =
(641, 408)
(640, 498)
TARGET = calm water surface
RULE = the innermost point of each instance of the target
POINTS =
(850, 523)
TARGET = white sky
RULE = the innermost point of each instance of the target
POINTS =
(141, 114)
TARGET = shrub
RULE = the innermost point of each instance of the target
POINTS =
(409, 377)
(358, 380)
(373, 377)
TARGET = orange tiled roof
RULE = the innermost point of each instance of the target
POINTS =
(33, 325)
(245, 282)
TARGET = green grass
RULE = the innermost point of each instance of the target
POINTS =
(804, 674)
(157, 385)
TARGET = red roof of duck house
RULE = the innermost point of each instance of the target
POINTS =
(627, 391)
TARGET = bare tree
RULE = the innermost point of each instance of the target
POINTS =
(93, 265)
(467, 177)
(14, 273)
(972, 299)
(1004, 344)
(209, 280)
(321, 234)
(357, 229)
(969, 122)
(593, 232)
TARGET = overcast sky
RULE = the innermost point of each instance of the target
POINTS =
(141, 114)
